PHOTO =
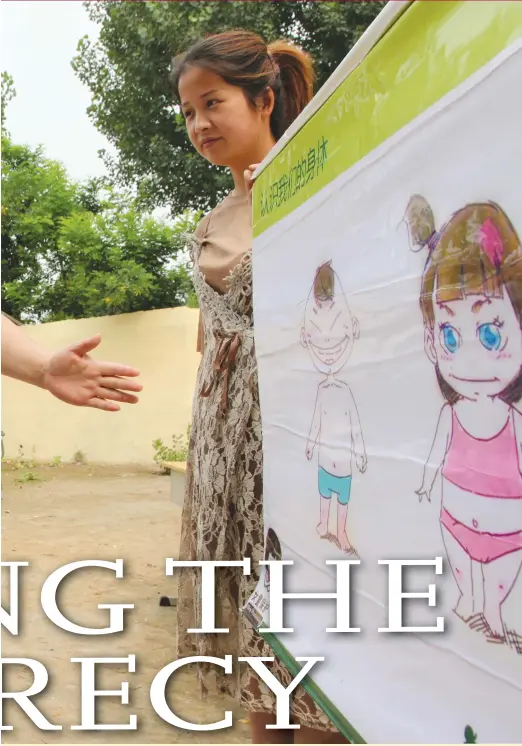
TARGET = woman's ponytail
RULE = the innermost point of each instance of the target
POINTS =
(295, 71)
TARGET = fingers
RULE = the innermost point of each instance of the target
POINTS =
(107, 398)
(117, 395)
(248, 178)
(85, 345)
(107, 406)
(115, 382)
(118, 369)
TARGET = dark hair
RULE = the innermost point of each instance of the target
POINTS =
(324, 283)
(243, 59)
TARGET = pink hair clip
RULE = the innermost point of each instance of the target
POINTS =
(492, 244)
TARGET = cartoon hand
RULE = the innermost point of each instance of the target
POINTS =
(362, 463)
(423, 492)
(309, 451)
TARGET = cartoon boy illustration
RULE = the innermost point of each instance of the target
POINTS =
(329, 332)
(471, 304)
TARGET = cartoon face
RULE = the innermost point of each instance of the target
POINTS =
(329, 332)
(477, 343)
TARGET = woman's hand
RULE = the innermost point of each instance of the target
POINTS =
(249, 180)
(75, 378)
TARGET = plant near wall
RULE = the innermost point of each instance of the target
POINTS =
(177, 452)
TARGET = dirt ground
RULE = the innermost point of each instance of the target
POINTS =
(76, 512)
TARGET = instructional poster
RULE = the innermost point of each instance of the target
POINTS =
(388, 319)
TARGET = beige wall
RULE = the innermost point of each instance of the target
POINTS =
(160, 344)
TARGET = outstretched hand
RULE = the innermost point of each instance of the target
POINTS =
(75, 378)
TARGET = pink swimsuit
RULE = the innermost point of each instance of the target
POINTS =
(487, 467)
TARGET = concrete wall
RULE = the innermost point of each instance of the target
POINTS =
(160, 344)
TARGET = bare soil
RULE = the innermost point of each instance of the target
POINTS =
(79, 512)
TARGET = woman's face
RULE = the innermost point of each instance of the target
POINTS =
(222, 124)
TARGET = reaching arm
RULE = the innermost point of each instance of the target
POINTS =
(70, 374)
(438, 451)
(22, 358)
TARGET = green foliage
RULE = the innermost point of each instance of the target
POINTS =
(28, 476)
(127, 73)
(80, 250)
(20, 462)
(177, 452)
(8, 93)
(469, 735)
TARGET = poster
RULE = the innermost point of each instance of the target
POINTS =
(388, 313)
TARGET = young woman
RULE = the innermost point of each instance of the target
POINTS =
(238, 96)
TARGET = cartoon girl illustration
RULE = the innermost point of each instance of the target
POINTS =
(471, 302)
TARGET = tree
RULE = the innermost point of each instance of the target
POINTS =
(8, 93)
(77, 250)
(127, 72)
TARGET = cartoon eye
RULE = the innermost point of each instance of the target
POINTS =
(490, 336)
(450, 338)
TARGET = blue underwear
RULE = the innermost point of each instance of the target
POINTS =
(329, 484)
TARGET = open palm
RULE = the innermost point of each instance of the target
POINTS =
(75, 378)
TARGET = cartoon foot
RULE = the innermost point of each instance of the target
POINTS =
(333, 540)
(344, 544)
(496, 638)
(514, 640)
(464, 608)
(479, 623)
(322, 530)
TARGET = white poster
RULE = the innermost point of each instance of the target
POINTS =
(388, 315)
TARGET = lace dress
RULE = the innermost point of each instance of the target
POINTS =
(223, 513)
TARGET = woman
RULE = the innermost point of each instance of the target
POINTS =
(238, 96)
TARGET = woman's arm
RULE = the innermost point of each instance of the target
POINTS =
(22, 358)
(70, 374)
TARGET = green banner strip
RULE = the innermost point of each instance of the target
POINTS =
(330, 710)
(432, 48)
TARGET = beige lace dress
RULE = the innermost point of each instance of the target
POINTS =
(222, 513)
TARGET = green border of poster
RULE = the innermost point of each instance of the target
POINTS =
(433, 47)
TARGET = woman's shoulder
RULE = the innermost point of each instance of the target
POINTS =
(231, 201)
